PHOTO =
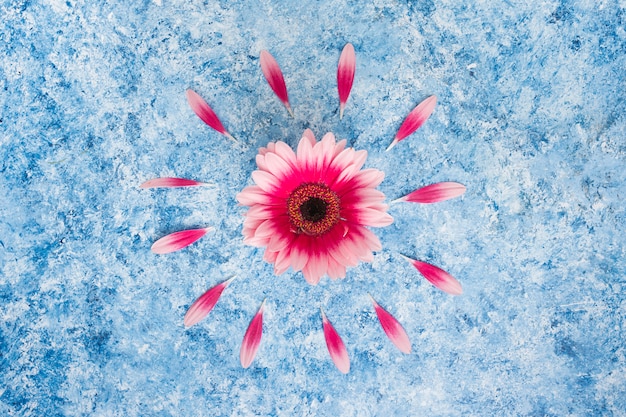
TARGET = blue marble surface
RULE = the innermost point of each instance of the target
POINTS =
(531, 118)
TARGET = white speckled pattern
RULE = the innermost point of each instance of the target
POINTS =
(530, 118)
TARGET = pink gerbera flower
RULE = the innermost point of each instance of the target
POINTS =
(311, 210)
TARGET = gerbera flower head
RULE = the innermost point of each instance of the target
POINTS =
(310, 209)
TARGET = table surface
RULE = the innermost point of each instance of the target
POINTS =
(530, 118)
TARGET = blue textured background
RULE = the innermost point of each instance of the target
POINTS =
(531, 118)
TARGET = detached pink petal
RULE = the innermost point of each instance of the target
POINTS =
(205, 303)
(438, 277)
(252, 339)
(393, 329)
(345, 75)
(415, 119)
(178, 240)
(274, 76)
(336, 348)
(170, 182)
(434, 193)
(206, 113)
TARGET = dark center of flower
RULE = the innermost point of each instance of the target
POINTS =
(313, 209)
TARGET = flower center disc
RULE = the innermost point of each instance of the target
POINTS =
(313, 209)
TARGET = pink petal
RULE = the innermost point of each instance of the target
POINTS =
(368, 217)
(252, 339)
(438, 277)
(205, 303)
(434, 193)
(274, 76)
(415, 119)
(253, 194)
(345, 75)
(336, 348)
(277, 165)
(310, 136)
(170, 182)
(393, 329)
(206, 113)
(284, 151)
(266, 181)
(282, 262)
(335, 269)
(316, 267)
(298, 255)
(178, 240)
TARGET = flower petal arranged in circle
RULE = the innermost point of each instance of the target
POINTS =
(392, 328)
(178, 240)
(311, 208)
(438, 277)
(205, 303)
(415, 120)
(345, 75)
(206, 113)
(252, 339)
(336, 348)
(170, 182)
(274, 76)
(435, 193)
